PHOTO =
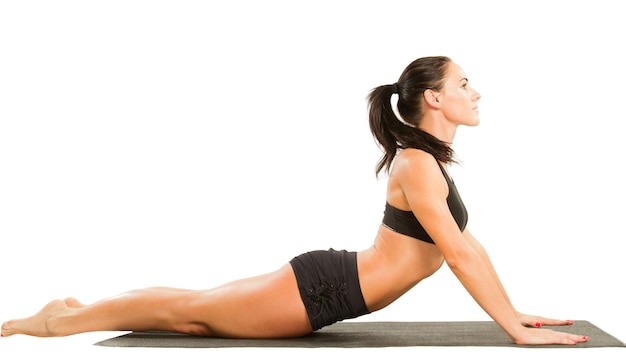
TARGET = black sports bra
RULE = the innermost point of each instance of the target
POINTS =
(405, 222)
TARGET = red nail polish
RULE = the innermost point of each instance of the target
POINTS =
(538, 324)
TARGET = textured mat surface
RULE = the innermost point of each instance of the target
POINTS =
(370, 334)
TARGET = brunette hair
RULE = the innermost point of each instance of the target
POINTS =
(393, 133)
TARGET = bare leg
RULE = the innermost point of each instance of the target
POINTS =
(263, 306)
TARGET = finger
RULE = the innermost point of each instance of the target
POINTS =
(537, 321)
(555, 322)
(568, 338)
(574, 339)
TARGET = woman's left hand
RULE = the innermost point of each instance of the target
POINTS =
(537, 321)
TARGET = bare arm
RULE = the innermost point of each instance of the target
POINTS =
(426, 192)
(524, 319)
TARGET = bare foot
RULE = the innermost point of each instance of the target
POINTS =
(42, 323)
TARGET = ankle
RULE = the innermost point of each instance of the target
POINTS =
(53, 326)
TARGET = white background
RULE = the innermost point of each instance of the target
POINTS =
(190, 143)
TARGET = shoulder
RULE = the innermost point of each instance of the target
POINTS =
(414, 161)
(416, 169)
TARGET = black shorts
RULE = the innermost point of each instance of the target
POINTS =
(329, 286)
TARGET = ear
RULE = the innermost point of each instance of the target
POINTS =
(432, 98)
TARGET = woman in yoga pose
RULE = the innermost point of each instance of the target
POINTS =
(424, 225)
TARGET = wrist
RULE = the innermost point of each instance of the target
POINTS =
(515, 332)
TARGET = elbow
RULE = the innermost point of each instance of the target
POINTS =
(454, 263)
(461, 259)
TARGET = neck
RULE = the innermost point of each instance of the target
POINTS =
(439, 127)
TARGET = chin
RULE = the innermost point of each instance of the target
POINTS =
(473, 123)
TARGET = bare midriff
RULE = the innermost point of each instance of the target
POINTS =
(393, 265)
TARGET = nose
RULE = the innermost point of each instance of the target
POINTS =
(476, 95)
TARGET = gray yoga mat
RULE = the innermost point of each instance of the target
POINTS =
(370, 334)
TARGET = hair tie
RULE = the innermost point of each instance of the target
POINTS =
(395, 88)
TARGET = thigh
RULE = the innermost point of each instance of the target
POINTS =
(265, 306)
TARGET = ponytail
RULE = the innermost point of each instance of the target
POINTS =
(393, 134)
(384, 125)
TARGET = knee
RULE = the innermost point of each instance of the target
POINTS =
(193, 328)
(184, 314)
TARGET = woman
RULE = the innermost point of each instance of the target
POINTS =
(424, 224)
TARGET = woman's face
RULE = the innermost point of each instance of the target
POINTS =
(459, 100)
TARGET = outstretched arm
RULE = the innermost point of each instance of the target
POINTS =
(473, 268)
(524, 319)
(426, 192)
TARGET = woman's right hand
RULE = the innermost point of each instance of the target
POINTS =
(537, 336)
